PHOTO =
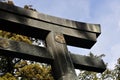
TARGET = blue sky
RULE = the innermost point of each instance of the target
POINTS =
(104, 12)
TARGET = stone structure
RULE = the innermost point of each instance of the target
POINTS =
(58, 33)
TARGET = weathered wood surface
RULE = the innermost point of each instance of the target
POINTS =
(51, 19)
(88, 63)
(57, 32)
(36, 53)
(39, 29)
(63, 68)
(24, 51)
(35, 24)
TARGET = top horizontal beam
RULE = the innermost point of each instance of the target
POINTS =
(95, 28)
(37, 25)
(39, 29)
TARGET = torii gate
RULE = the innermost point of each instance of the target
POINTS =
(58, 33)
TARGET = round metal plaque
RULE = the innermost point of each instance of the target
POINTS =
(59, 38)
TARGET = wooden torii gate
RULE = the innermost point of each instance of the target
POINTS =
(58, 33)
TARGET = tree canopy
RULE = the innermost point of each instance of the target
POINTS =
(15, 68)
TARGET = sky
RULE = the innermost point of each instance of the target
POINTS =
(103, 12)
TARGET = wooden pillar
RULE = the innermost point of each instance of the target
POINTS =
(62, 66)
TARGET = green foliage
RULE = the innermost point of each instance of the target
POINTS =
(8, 76)
(16, 37)
(116, 71)
(33, 70)
(96, 56)
(27, 70)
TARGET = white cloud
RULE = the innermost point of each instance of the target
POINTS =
(118, 26)
(107, 14)
(72, 9)
(115, 50)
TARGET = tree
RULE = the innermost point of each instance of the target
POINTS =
(8, 76)
(116, 71)
(86, 75)
(34, 70)
(14, 68)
